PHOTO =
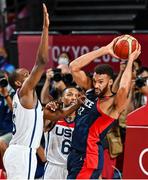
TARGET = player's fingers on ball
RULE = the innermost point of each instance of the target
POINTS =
(139, 47)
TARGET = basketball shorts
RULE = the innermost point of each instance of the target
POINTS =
(54, 171)
(20, 162)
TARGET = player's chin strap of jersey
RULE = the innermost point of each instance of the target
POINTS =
(107, 97)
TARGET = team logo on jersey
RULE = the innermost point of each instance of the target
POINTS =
(63, 132)
(87, 103)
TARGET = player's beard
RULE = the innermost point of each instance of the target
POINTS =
(103, 92)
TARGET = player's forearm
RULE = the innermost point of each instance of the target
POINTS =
(42, 54)
(127, 76)
(60, 114)
(85, 59)
(45, 97)
(68, 111)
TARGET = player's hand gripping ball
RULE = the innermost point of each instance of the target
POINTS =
(125, 46)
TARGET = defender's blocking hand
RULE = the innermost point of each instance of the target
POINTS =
(46, 16)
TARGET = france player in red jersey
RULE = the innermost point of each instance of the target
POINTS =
(100, 110)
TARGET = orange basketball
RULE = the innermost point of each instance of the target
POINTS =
(125, 46)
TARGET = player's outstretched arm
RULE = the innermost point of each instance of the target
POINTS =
(60, 114)
(126, 80)
(41, 58)
(53, 113)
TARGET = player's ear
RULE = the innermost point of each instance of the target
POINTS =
(18, 83)
(111, 82)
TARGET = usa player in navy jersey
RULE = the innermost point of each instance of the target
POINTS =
(99, 112)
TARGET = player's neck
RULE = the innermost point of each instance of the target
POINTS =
(107, 95)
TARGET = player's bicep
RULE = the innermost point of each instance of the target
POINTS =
(120, 100)
(82, 80)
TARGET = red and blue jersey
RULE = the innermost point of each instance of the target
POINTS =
(91, 126)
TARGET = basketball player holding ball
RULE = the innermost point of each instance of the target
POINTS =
(98, 113)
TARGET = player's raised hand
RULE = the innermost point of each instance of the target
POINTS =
(46, 20)
(134, 55)
(110, 47)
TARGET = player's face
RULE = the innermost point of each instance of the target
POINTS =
(70, 96)
(101, 83)
(23, 74)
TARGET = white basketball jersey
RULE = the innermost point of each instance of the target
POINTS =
(28, 124)
(58, 142)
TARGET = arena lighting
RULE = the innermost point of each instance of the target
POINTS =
(34, 32)
(94, 32)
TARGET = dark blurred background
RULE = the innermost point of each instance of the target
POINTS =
(80, 15)
(70, 17)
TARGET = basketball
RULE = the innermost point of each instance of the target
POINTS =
(125, 46)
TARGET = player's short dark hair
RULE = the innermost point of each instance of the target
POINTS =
(104, 69)
(12, 78)
(69, 87)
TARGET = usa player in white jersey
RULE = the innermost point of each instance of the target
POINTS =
(20, 157)
(58, 140)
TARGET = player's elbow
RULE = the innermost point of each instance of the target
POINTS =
(44, 99)
(73, 67)
(42, 60)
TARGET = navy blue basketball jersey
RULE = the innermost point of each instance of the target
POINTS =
(90, 129)
(88, 104)
(91, 126)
